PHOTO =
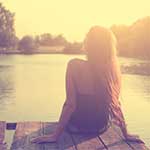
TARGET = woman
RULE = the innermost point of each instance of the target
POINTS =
(92, 89)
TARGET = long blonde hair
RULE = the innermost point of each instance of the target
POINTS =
(100, 45)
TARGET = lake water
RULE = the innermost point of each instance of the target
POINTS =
(32, 88)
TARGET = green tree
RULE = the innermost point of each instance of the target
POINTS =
(122, 33)
(45, 39)
(27, 45)
(134, 40)
(141, 37)
(7, 31)
(60, 40)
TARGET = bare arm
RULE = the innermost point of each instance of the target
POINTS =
(70, 103)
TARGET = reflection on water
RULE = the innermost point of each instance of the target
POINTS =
(6, 86)
(135, 98)
(32, 88)
(135, 66)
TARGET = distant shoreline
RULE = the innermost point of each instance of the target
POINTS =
(36, 52)
(142, 69)
(21, 53)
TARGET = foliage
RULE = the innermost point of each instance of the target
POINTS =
(47, 39)
(134, 40)
(7, 32)
(27, 44)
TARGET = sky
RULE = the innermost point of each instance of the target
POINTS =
(73, 18)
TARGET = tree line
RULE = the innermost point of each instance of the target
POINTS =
(132, 40)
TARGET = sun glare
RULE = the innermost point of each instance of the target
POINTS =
(73, 18)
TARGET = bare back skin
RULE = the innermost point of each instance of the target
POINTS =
(83, 76)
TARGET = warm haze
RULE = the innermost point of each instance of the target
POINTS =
(73, 18)
(46, 76)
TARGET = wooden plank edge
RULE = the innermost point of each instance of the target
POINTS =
(105, 146)
(115, 128)
(2, 131)
(3, 145)
(13, 125)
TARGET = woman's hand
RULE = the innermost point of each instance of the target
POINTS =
(50, 138)
(45, 139)
(133, 138)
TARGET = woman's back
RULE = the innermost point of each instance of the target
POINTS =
(91, 113)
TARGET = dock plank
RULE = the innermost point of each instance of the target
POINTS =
(109, 140)
(135, 146)
(2, 131)
(87, 142)
(2, 135)
(23, 134)
(113, 141)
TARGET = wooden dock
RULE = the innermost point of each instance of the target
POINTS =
(25, 131)
(2, 135)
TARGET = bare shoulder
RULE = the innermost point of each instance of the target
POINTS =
(76, 62)
(81, 73)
